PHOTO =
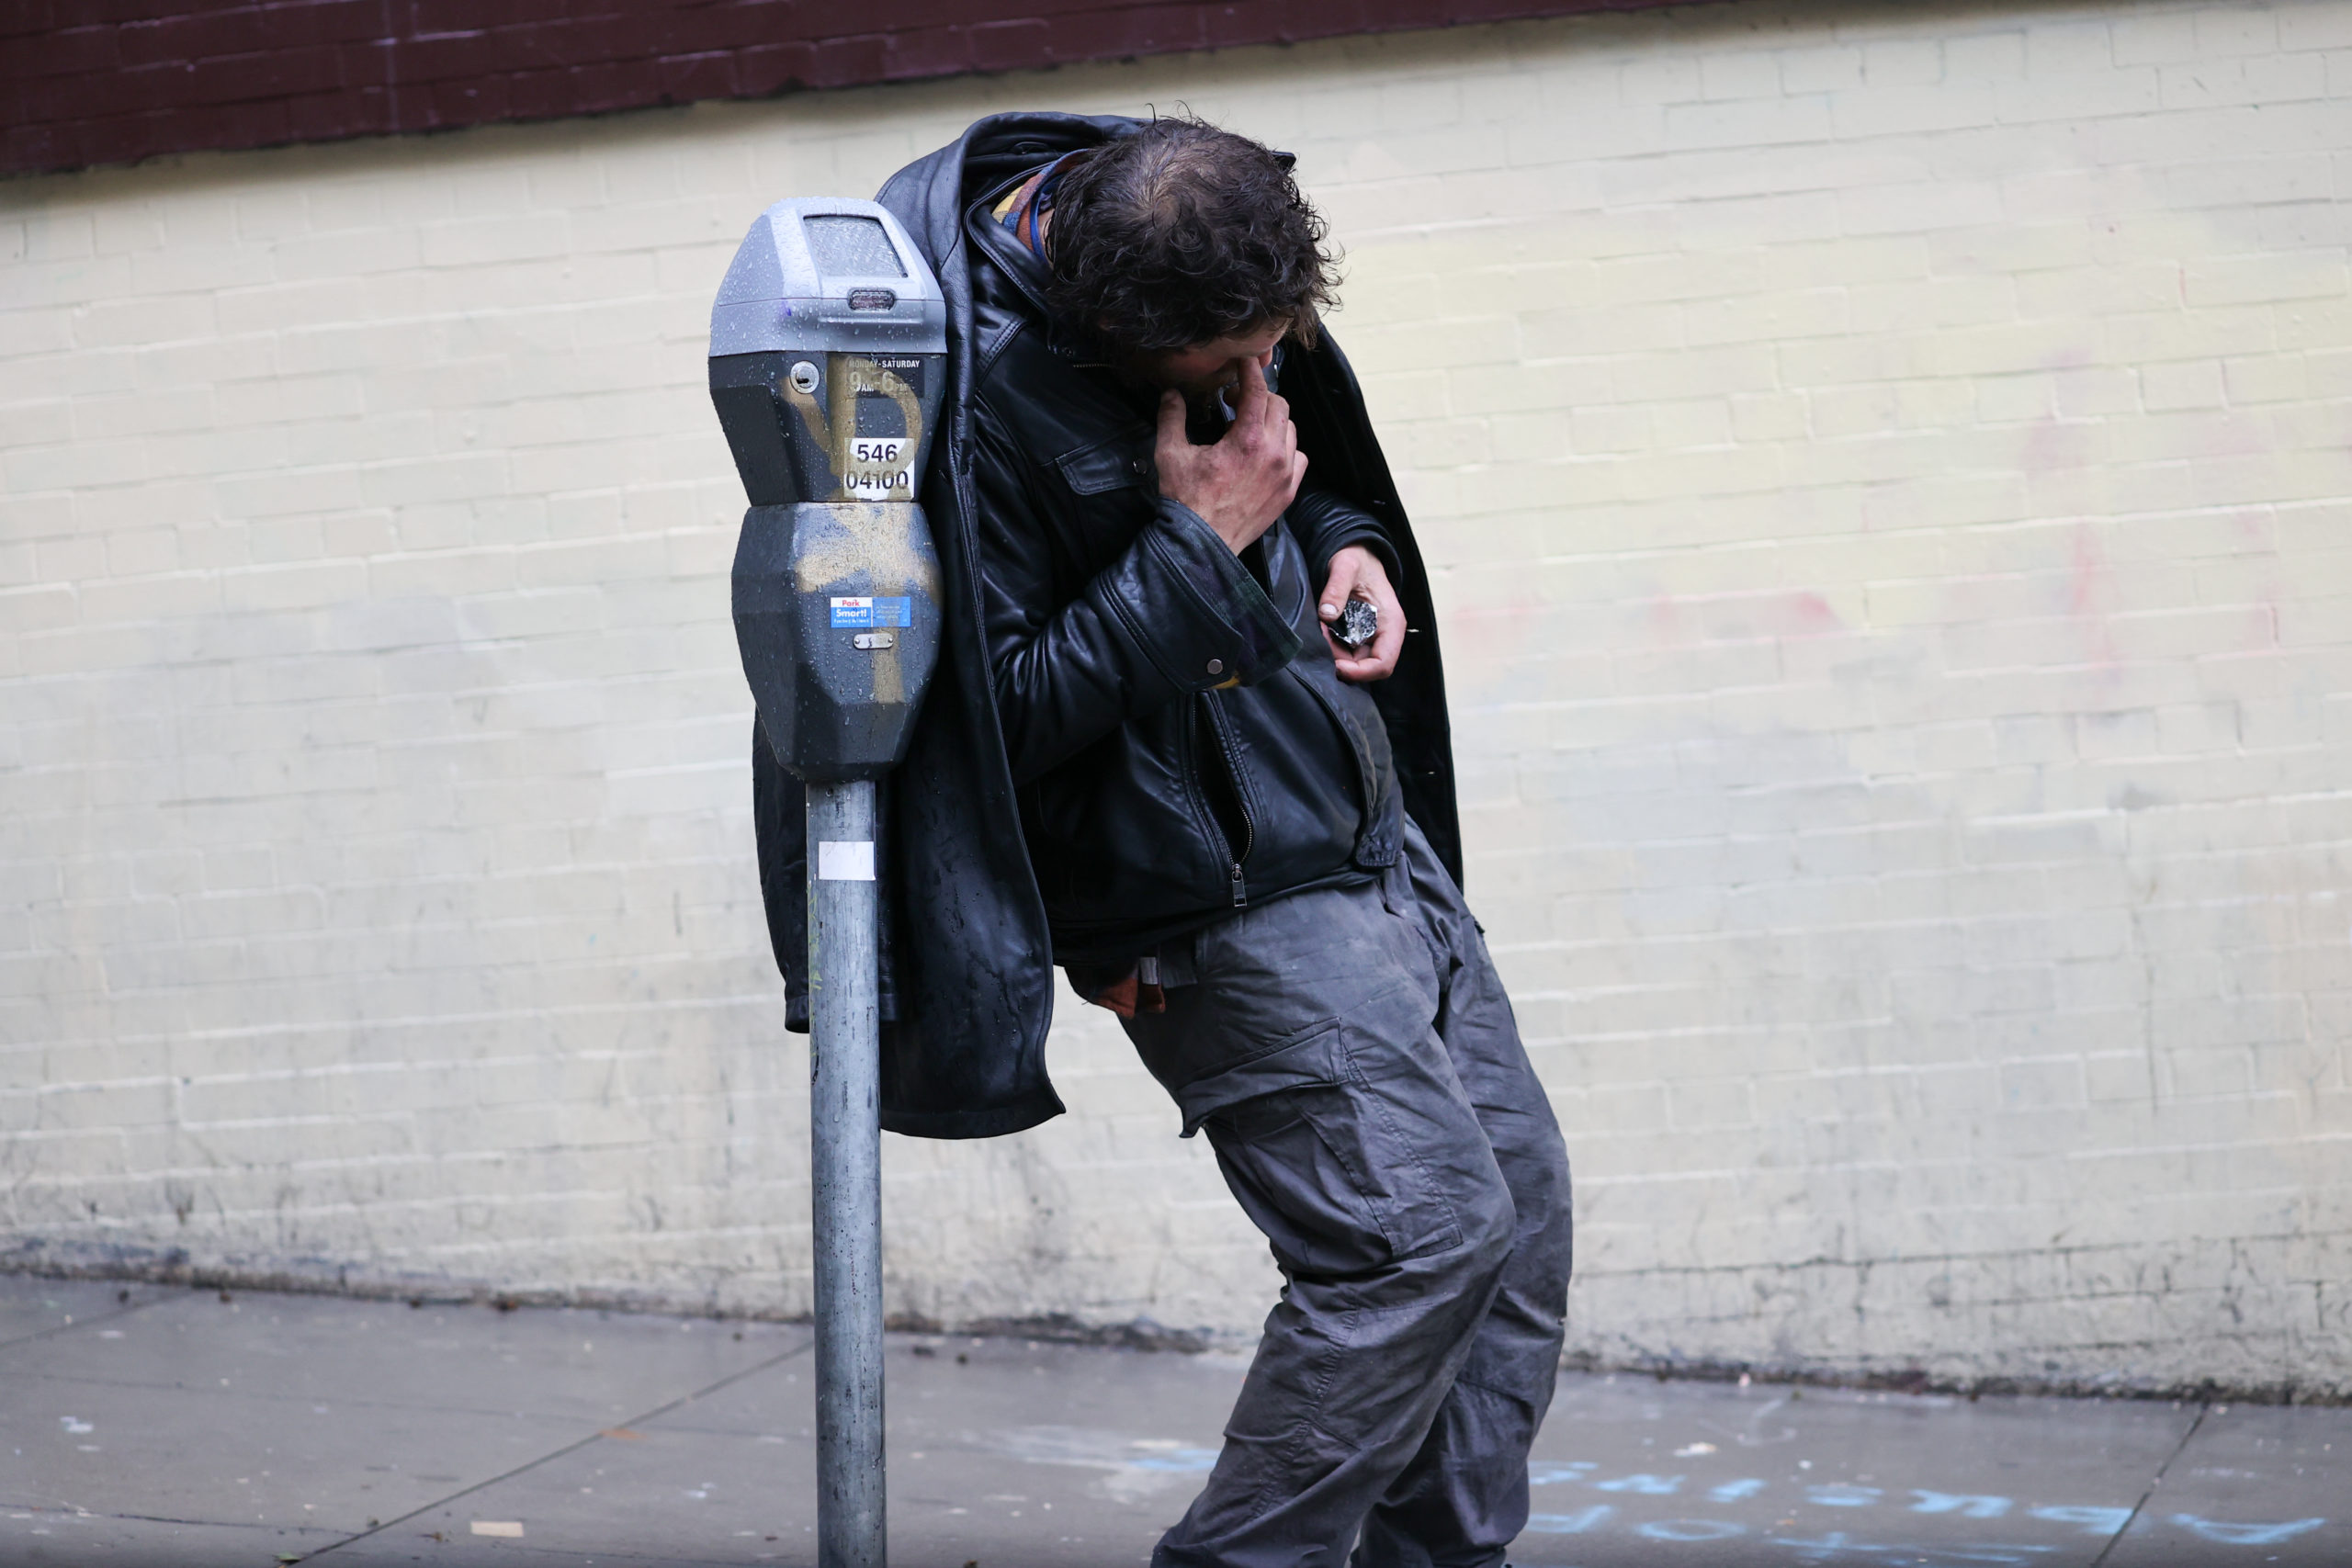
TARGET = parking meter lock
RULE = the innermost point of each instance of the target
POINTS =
(828, 365)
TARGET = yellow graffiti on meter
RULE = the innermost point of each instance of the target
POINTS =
(870, 467)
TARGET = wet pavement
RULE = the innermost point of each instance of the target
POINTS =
(174, 1429)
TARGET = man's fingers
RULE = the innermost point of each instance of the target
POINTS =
(1390, 640)
(1251, 408)
(1171, 417)
(1335, 592)
(1357, 574)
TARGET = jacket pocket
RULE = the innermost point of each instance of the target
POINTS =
(1378, 834)
(1118, 461)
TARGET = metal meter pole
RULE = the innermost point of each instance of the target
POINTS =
(844, 1097)
(828, 372)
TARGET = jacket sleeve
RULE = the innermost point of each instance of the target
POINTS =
(1324, 525)
(1177, 613)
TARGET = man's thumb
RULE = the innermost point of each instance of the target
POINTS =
(1172, 416)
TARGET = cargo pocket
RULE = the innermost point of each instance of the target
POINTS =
(1322, 1166)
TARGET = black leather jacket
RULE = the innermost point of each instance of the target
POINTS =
(967, 982)
(1179, 740)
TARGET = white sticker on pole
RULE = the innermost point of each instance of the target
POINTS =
(845, 860)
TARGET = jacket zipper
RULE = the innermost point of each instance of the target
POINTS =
(1241, 804)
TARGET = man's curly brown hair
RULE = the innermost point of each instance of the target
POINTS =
(1182, 234)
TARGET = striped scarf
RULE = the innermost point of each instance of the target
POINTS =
(1031, 202)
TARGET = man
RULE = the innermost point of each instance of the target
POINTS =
(1155, 494)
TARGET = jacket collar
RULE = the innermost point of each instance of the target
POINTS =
(934, 198)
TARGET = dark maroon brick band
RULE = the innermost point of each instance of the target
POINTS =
(86, 82)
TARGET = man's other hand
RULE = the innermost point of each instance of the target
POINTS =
(1240, 484)
(1356, 573)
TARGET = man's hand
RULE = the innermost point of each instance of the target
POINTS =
(1356, 573)
(1241, 484)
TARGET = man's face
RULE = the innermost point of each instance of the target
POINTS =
(1202, 370)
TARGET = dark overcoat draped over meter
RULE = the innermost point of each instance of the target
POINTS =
(967, 981)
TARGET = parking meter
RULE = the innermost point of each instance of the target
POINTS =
(827, 366)
(828, 359)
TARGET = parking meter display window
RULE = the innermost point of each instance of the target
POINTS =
(845, 245)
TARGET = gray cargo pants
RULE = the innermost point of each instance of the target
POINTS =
(1353, 1058)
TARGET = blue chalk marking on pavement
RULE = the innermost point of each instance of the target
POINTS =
(1838, 1546)
(2095, 1521)
(1553, 1474)
(2245, 1535)
(867, 612)
(1689, 1530)
(1571, 1524)
(1177, 1462)
(1966, 1506)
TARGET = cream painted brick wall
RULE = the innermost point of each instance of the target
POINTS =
(1888, 471)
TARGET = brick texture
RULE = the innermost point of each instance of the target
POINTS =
(1886, 472)
(88, 84)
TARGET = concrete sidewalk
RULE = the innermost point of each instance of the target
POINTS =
(179, 1428)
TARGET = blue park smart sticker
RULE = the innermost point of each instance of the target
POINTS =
(874, 612)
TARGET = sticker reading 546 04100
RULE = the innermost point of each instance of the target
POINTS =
(879, 468)
(874, 612)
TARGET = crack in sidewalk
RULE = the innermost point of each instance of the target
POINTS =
(114, 1311)
(2153, 1482)
(550, 1457)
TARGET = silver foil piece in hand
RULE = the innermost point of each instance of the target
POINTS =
(1357, 623)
